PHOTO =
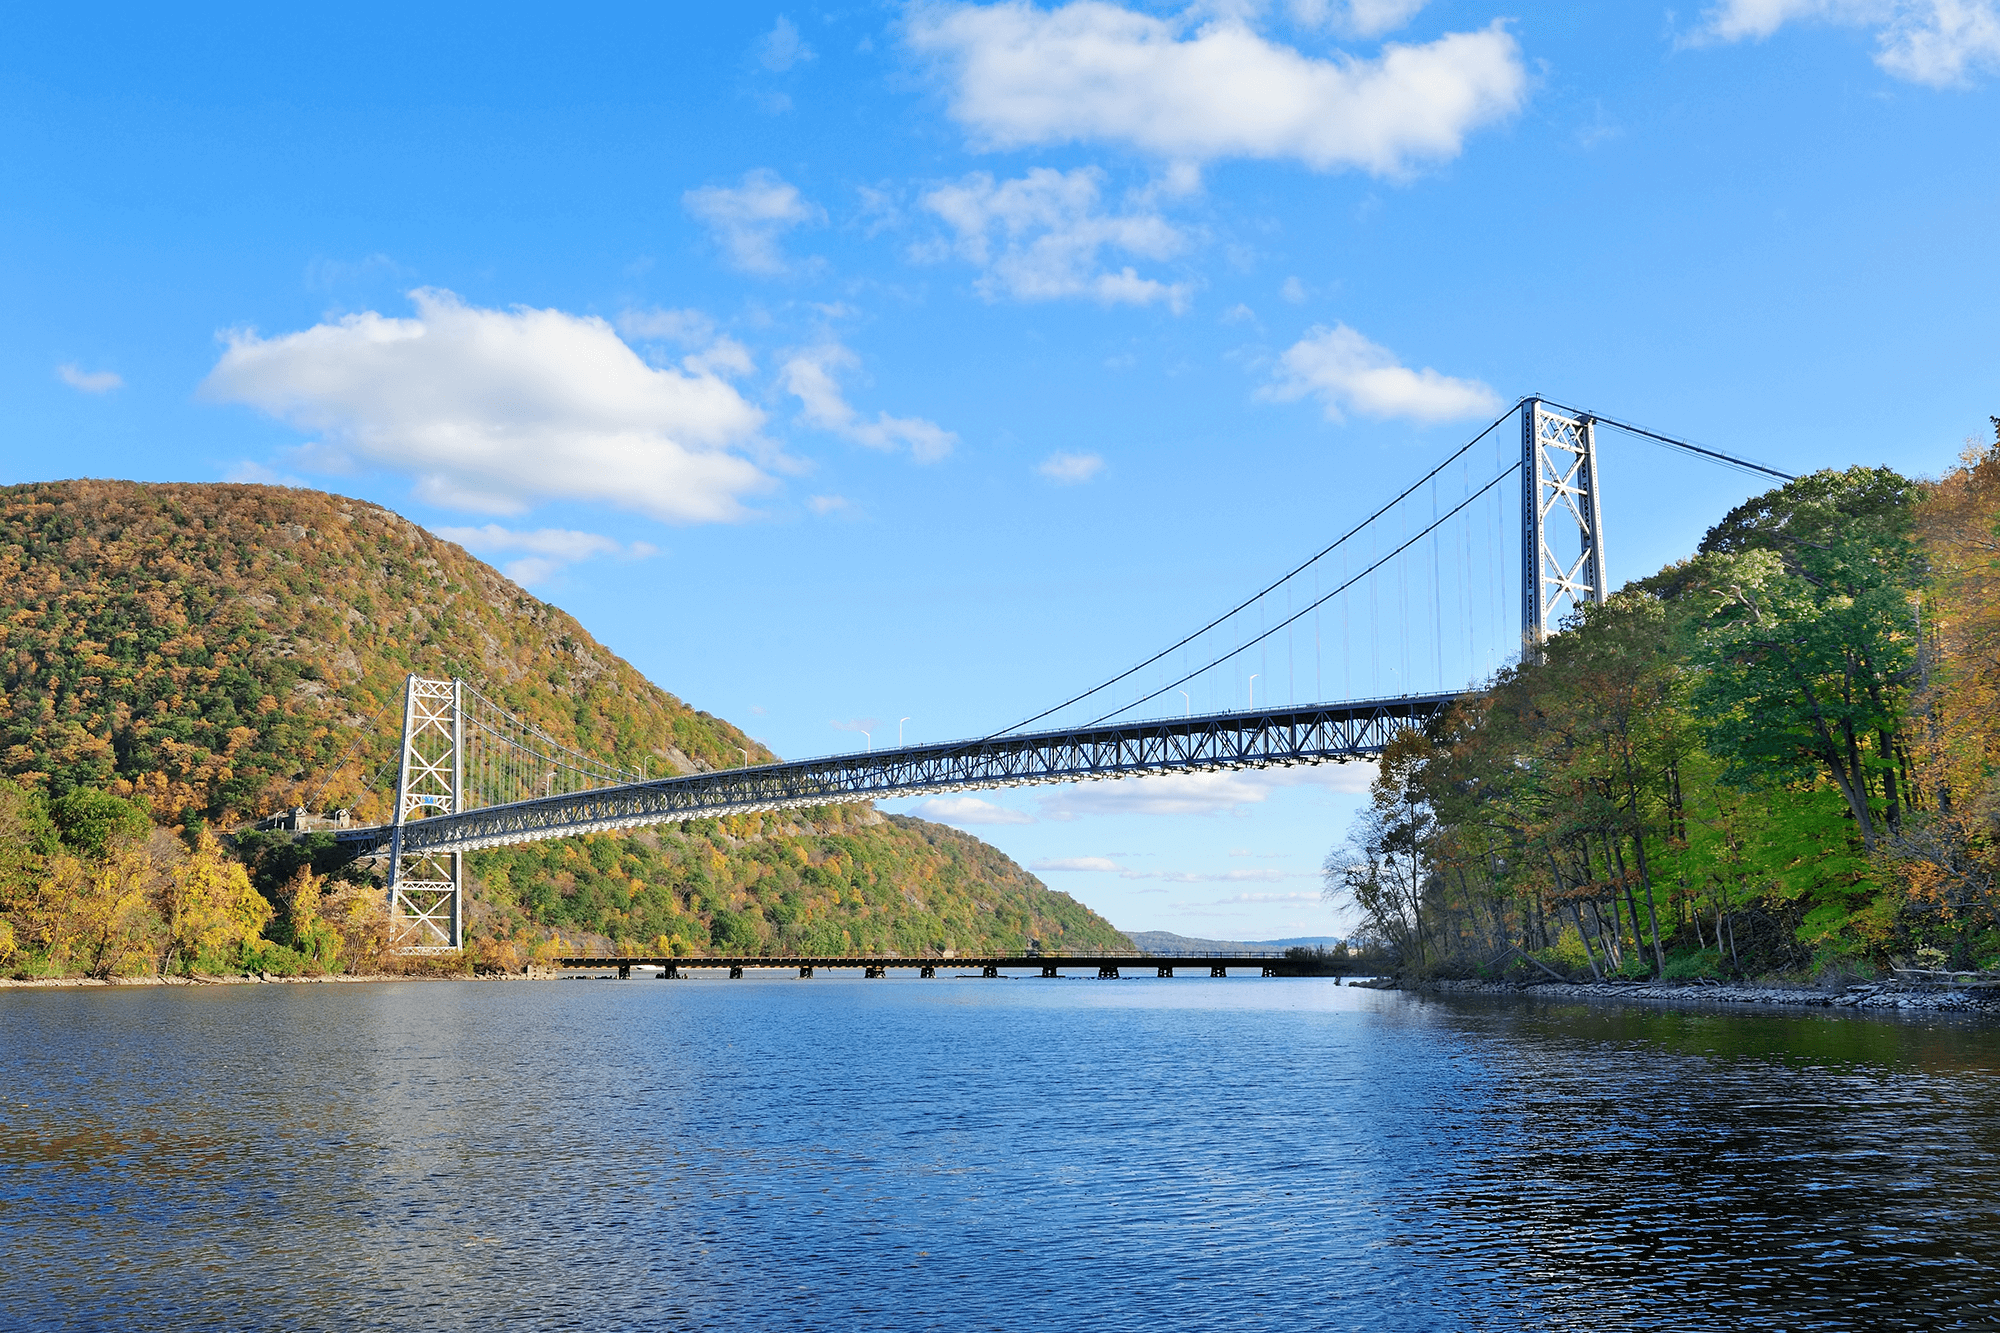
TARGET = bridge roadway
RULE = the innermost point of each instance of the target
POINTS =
(1203, 742)
(1107, 965)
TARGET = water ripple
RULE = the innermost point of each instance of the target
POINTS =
(1269, 1154)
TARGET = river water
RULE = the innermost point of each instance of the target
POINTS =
(964, 1154)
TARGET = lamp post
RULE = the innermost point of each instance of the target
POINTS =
(1187, 710)
(899, 731)
(1253, 688)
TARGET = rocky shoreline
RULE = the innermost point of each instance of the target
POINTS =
(1874, 995)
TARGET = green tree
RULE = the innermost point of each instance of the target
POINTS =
(1806, 640)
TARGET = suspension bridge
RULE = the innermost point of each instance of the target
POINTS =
(471, 775)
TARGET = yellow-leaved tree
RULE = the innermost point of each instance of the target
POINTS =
(207, 907)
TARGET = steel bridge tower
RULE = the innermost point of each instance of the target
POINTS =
(426, 888)
(1558, 471)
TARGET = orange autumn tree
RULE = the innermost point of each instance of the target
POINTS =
(1951, 859)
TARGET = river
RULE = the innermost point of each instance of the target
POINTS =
(963, 1154)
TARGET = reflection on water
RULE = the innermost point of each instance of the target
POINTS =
(908, 1154)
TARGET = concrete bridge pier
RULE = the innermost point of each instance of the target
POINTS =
(875, 970)
(990, 970)
(1048, 969)
(735, 973)
(1164, 970)
(1107, 972)
(805, 972)
(927, 971)
(1218, 970)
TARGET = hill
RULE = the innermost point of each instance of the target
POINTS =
(219, 652)
(1166, 942)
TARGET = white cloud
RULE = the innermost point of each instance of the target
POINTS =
(1188, 90)
(689, 328)
(1256, 898)
(1293, 292)
(782, 47)
(1937, 42)
(498, 410)
(256, 474)
(748, 219)
(1038, 238)
(1071, 469)
(546, 551)
(1348, 373)
(971, 810)
(1356, 18)
(89, 381)
(1180, 795)
(827, 504)
(811, 377)
(1094, 864)
(714, 354)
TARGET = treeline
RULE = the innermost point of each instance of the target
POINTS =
(835, 880)
(1779, 757)
(90, 887)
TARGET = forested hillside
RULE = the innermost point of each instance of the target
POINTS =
(213, 649)
(206, 654)
(1779, 756)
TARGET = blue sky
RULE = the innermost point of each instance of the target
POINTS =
(934, 362)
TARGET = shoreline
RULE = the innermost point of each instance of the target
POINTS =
(1876, 996)
(120, 983)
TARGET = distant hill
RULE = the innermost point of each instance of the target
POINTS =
(1166, 942)
(219, 651)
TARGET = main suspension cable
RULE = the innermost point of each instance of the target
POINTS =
(1407, 543)
(1247, 602)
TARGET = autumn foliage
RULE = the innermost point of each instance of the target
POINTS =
(1780, 756)
(196, 656)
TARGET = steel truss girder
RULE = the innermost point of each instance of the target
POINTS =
(1558, 470)
(1256, 738)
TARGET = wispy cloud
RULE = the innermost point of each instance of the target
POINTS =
(1942, 43)
(1105, 865)
(1095, 864)
(812, 376)
(749, 219)
(545, 552)
(1182, 795)
(865, 726)
(1247, 899)
(971, 810)
(89, 381)
(1356, 18)
(1039, 238)
(1071, 469)
(1348, 373)
(782, 47)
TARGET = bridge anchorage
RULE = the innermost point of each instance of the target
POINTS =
(472, 775)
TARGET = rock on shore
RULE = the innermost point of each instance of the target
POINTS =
(1872, 995)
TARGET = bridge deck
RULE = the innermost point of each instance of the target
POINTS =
(989, 965)
(1254, 738)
